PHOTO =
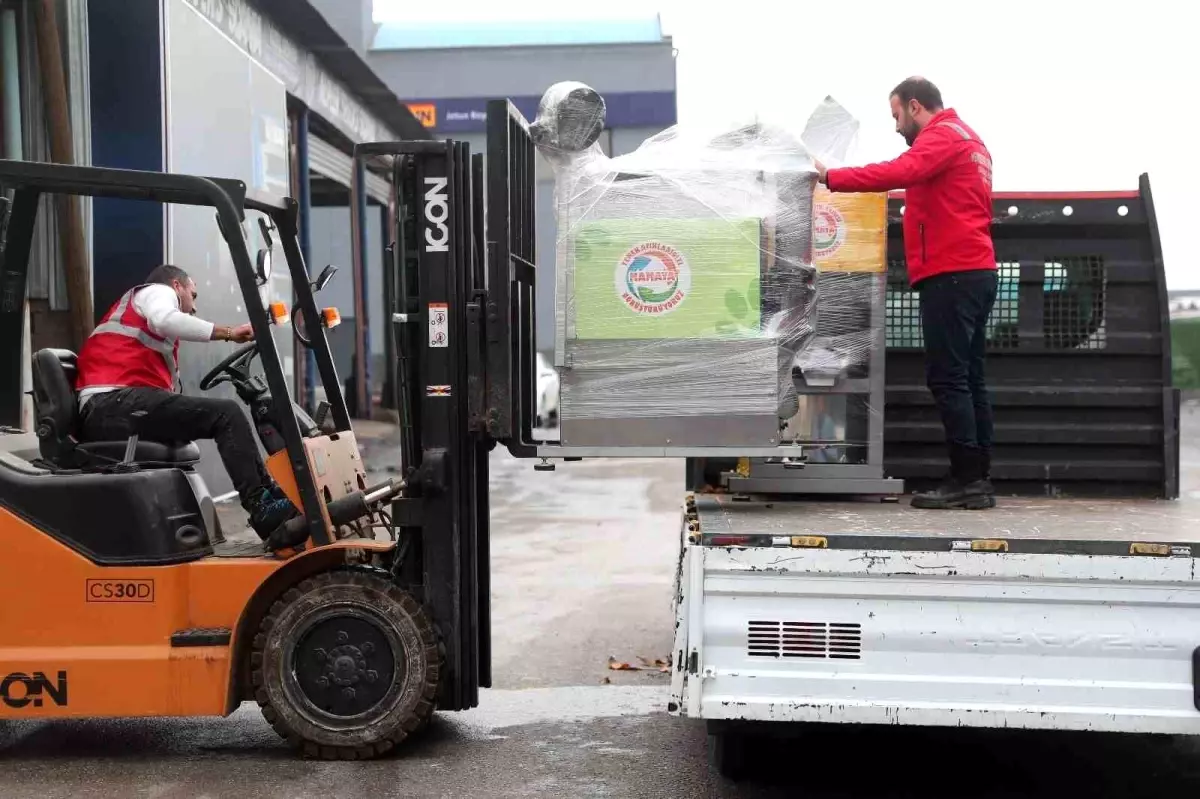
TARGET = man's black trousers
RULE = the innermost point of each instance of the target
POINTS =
(171, 418)
(954, 313)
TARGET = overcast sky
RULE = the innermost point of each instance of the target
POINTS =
(1109, 93)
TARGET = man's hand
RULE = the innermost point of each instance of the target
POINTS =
(821, 171)
(241, 334)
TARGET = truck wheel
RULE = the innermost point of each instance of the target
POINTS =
(727, 754)
(345, 666)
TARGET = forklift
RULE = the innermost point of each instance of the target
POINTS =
(357, 619)
(124, 597)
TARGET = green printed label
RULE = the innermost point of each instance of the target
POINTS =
(653, 278)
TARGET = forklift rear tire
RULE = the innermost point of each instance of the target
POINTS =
(346, 665)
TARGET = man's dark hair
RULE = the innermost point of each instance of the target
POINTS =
(166, 274)
(921, 90)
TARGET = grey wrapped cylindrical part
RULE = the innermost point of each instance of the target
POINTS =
(570, 119)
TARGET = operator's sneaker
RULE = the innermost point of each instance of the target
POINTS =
(269, 512)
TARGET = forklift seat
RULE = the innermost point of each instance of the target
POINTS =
(56, 410)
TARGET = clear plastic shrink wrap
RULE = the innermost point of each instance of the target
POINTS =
(698, 287)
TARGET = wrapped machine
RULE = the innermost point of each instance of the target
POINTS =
(711, 297)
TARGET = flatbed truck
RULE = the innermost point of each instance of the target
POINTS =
(1070, 606)
(1070, 614)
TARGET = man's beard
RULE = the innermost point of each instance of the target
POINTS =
(910, 134)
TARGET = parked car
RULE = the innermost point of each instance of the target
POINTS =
(547, 393)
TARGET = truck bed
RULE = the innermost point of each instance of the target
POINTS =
(882, 614)
(1090, 526)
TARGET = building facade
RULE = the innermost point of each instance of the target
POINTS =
(448, 73)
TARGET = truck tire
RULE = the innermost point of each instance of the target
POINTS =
(727, 754)
(345, 666)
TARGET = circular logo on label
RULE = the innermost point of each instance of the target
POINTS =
(829, 230)
(652, 278)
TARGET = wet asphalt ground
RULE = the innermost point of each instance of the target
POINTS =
(582, 567)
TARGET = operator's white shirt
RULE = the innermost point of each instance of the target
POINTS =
(159, 305)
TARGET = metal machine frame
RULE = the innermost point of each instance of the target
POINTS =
(776, 476)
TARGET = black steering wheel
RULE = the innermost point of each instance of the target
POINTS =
(234, 368)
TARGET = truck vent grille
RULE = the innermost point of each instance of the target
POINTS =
(804, 639)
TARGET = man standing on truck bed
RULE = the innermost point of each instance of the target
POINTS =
(947, 177)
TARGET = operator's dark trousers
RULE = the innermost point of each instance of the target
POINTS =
(172, 418)
(954, 312)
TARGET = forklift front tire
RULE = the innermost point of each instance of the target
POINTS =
(346, 665)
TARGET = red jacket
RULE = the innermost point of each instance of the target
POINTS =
(947, 177)
(123, 352)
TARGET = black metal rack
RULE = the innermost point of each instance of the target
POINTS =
(1079, 352)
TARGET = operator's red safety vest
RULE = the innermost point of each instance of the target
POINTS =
(122, 352)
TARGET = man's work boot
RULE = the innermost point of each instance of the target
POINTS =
(966, 488)
(269, 511)
(955, 495)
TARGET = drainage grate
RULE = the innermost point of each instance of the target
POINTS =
(804, 639)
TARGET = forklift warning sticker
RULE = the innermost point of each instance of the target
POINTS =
(439, 324)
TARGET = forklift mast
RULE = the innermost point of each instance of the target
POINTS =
(461, 308)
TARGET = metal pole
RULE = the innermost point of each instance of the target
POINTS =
(365, 324)
(13, 146)
(299, 379)
(358, 250)
(14, 266)
(388, 305)
(304, 196)
(14, 149)
(79, 290)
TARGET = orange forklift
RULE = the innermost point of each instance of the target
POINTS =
(350, 624)
(122, 596)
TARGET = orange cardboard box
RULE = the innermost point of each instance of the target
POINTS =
(849, 231)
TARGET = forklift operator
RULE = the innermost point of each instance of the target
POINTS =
(127, 372)
(947, 175)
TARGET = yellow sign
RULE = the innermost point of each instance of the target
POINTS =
(426, 113)
(849, 231)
